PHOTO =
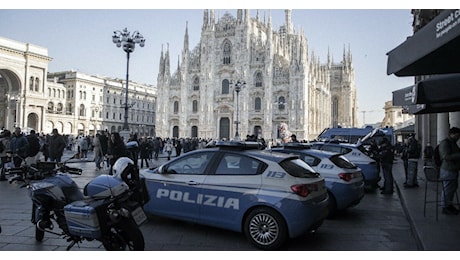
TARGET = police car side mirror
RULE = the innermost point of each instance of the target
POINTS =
(163, 169)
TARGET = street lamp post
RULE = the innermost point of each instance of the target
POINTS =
(128, 41)
(238, 85)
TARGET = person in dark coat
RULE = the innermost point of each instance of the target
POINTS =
(177, 146)
(56, 146)
(144, 150)
(386, 156)
(116, 149)
(19, 145)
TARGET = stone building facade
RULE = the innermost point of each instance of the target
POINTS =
(72, 102)
(284, 83)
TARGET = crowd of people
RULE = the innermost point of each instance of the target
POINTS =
(108, 147)
(411, 152)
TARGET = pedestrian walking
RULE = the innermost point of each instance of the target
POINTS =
(156, 148)
(168, 148)
(97, 150)
(56, 146)
(83, 144)
(450, 156)
(19, 146)
(116, 149)
(386, 156)
(178, 146)
(34, 147)
(413, 155)
(144, 151)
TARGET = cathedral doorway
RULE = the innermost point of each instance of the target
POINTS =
(224, 129)
(176, 131)
(257, 132)
(194, 131)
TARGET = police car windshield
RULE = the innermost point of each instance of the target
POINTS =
(298, 168)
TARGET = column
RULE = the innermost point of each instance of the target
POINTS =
(442, 126)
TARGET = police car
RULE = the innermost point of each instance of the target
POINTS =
(358, 155)
(270, 197)
(344, 180)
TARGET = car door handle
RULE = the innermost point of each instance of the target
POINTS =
(192, 183)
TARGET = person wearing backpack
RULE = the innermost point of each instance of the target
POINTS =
(449, 153)
(413, 154)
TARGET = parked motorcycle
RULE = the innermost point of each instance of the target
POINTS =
(108, 210)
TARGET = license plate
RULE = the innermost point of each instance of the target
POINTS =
(139, 216)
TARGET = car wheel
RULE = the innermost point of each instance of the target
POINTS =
(265, 228)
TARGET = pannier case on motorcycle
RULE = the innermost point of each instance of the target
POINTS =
(82, 218)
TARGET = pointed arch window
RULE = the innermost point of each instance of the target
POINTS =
(195, 106)
(227, 53)
(258, 80)
(225, 86)
(176, 107)
(257, 104)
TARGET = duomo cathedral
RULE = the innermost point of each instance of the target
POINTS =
(246, 77)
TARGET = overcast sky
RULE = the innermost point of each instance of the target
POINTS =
(80, 39)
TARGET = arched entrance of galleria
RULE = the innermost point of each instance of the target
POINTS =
(23, 70)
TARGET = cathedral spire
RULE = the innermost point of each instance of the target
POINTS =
(186, 37)
(287, 14)
(212, 20)
(205, 19)
(162, 62)
(269, 19)
(167, 69)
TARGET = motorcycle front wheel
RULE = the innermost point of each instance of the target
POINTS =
(39, 234)
(124, 236)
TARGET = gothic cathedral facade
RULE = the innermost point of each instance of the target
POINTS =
(245, 77)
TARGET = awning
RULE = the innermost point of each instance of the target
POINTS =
(437, 94)
(410, 129)
(434, 49)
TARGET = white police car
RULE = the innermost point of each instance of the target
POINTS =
(344, 180)
(358, 155)
(270, 197)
